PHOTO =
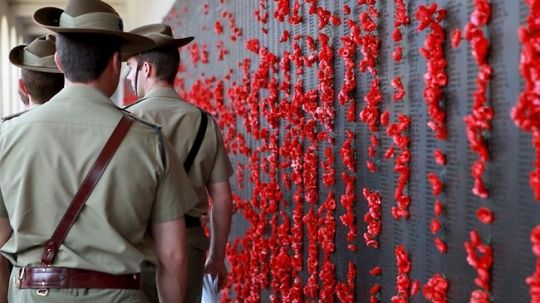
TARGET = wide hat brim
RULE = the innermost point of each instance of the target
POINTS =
(16, 57)
(49, 17)
(160, 41)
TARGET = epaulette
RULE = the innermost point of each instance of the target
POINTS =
(6, 118)
(136, 102)
(156, 128)
(139, 119)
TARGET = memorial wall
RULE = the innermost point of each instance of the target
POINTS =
(383, 150)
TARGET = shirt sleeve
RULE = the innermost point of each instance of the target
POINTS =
(222, 168)
(175, 194)
(3, 210)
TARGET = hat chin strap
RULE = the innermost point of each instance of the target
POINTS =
(137, 70)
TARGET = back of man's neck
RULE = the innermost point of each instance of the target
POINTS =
(161, 84)
(92, 84)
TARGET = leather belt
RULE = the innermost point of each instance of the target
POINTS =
(192, 221)
(44, 277)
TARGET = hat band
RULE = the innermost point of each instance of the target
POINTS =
(33, 60)
(98, 20)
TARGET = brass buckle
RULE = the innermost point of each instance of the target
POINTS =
(41, 292)
(20, 278)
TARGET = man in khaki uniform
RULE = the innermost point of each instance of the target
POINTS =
(40, 80)
(152, 75)
(40, 77)
(45, 154)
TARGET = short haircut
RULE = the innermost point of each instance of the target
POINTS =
(165, 60)
(42, 86)
(84, 56)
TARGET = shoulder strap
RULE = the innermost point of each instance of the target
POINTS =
(136, 102)
(90, 181)
(7, 118)
(198, 141)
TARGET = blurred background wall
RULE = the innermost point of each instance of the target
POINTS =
(17, 27)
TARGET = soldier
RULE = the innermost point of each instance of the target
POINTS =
(40, 80)
(152, 75)
(92, 248)
(40, 77)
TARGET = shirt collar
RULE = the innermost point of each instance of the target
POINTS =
(82, 94)
(167, 92)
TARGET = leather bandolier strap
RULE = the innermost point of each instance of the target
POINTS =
(198, 141)
(199, 137)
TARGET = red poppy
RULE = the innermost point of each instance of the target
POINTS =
(439, 156)
(436, 289)
(484, 215)
(456, 37)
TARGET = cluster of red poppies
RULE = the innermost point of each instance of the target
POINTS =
(222, 51)
(478, 123)
(297, 233)
(326, 112)
(436, 187)
(327, 232)
(436, 227)
(375, 289)
(480, 257)
(372, 218)
(435, 79)
(329, 172)
(311, 287)
(404, 285)
(347, 151)
(345, 290)
(398, 131)
(295, 17)
(348, 199)
(534, 279)
(204, 54)
(370, 46)
(194, 52)
(240, 257)
(278, 255)
(261, 15)
(436, 289)
(282, 10)
(234, 29)
(526, 113)
(401, 18)
(348, 53)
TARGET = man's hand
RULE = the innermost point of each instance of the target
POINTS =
(219, 270)
(220, 225)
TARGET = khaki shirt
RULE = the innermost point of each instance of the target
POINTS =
(44, 156)
(180, 121)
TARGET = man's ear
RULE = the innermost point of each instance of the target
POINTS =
(23, 88)
(116, 62)
(57, 61)
(147, 69)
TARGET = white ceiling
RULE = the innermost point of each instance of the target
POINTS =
(23, 10)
